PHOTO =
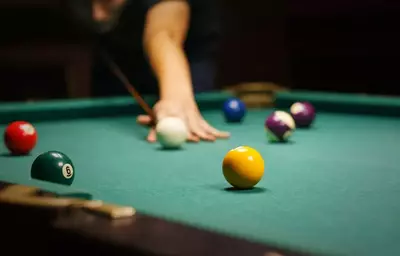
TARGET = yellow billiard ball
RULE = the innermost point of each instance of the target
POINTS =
(243, 167)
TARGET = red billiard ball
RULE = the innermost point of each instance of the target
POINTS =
(20, 137)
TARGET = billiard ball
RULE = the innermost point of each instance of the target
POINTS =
(171, 132)
(243, 167)
(20, 137)
(53, 166)
(279, 126)
(234, 110)
(303, 113)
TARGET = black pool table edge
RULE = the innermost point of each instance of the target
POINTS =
(69, 231)
(147, 235)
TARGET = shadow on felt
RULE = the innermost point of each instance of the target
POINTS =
(8, 154)
(307, 128)
(288, 142)
(161, 148)
(254, 190)
(223, 188)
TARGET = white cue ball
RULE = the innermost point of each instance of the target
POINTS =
(171, 132)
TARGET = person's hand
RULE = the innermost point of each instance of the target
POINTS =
(199, 129)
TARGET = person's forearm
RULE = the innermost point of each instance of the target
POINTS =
(170, 66)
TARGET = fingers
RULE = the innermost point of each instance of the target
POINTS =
(216, 133)
(144, 120)
(198, 135)
(201, 134)
(152, 136)
(199, 129)
(193, 138)
(147, 121)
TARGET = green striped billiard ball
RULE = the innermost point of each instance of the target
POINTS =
(53, 166)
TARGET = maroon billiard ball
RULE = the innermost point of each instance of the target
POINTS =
(303, 113)
(20, 137)
(279, 126)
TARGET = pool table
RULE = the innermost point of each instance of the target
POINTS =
(332, 189)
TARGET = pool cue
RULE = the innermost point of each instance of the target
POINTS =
(94, 206)
(25, 196)
(130, 88)
(48, 202)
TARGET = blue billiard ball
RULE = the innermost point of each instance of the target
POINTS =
(234, 110)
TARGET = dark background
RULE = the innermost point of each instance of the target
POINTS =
(349, 46)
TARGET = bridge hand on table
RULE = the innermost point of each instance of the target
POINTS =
(199, 129)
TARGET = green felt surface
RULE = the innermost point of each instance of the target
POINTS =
(334, 189)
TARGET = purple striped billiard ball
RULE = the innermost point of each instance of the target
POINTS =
(303, 113)
(279, 126)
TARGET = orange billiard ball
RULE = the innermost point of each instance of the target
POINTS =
(243, 167)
